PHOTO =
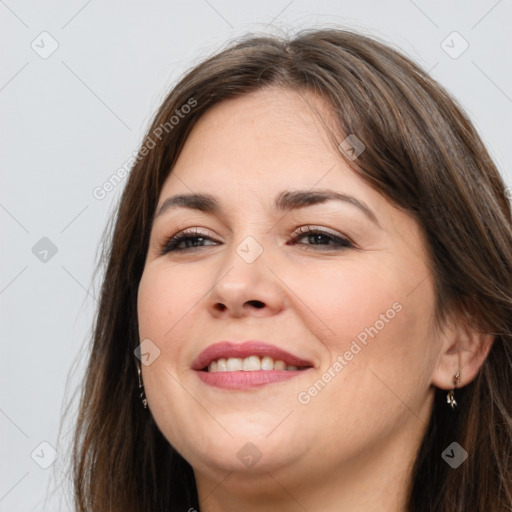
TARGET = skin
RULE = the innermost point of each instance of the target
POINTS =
(352, 445)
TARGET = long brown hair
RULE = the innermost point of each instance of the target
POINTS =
(424, 155)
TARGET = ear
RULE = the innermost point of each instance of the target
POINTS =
(464, 348)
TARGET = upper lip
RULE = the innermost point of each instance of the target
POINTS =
(229, 349)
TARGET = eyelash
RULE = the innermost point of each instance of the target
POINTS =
(171, 244)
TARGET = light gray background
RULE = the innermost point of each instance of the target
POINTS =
(70, 120)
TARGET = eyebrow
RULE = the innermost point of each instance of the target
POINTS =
(285, 201)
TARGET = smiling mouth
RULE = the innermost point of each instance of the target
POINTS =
(252, 363)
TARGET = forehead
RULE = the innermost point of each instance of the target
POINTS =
(268, 139)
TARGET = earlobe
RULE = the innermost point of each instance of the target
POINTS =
(463, 353)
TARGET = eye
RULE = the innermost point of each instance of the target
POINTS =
(194, 239)
(322, 238)
(184, 241)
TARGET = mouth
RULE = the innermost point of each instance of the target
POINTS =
(247, 365)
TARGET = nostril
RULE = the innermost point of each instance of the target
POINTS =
(256, 303)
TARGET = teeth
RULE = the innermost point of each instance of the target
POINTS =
(267, 363)
(251, 364)
(279, 365)
(248, 364)
(234, 364)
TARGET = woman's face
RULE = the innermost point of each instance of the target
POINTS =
(352, 301)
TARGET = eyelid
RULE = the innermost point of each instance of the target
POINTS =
(312, 227)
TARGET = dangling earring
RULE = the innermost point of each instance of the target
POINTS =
(450, 398)
(141, 388)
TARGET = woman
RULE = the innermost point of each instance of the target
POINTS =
(307, 298)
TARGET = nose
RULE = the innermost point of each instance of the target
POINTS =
(242, 288)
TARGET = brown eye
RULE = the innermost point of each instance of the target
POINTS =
(185, 241)
(318, 237)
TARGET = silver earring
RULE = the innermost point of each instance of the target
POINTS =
(450, 398)
(141, 389)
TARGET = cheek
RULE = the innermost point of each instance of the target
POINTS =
(165, 296)
(368, 316)
(348, 299)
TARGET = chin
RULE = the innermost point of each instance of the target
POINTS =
(244, 452)
(248, 458)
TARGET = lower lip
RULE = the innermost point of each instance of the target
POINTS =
(247, 380)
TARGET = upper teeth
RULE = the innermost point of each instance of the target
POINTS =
(248, 364)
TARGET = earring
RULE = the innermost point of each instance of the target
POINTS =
(450, 398)
(141, 389)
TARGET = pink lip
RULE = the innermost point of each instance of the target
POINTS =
(249, 348)
(247, 380)
(244, 379)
